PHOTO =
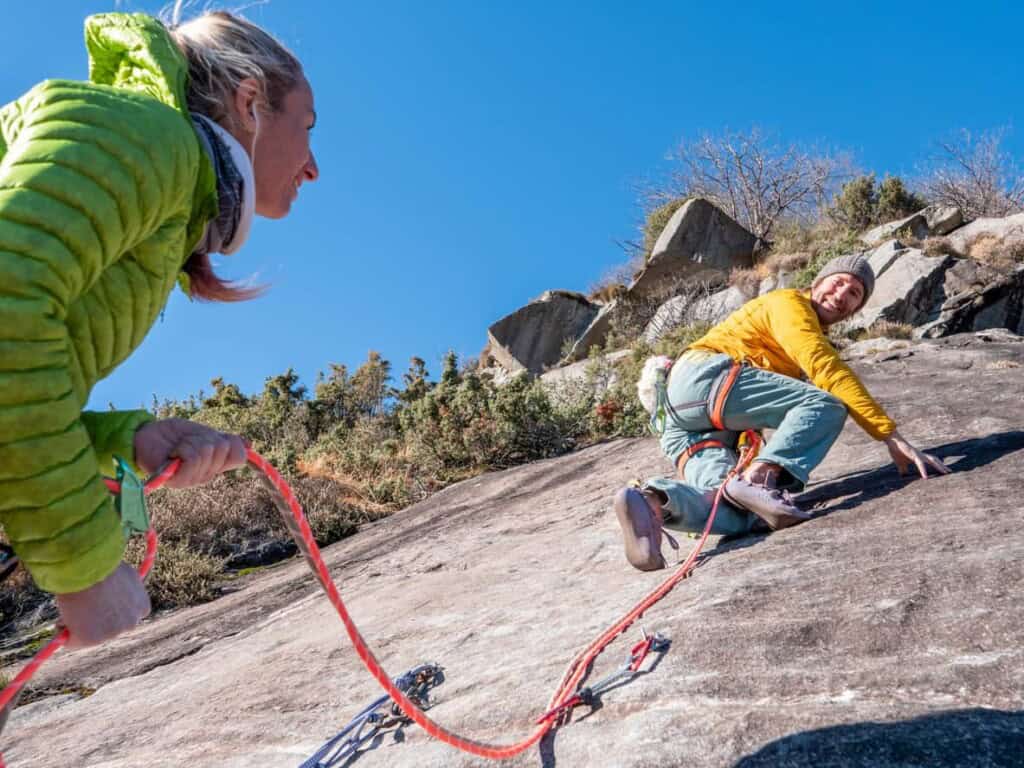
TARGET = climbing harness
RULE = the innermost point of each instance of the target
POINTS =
(566, 696)
(715, 404)
(367, 725)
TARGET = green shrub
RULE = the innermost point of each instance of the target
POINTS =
(862, 203)
(846, 242)
(180, 575)
(895, 201)
(856, 206)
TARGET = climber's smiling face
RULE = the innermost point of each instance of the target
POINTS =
(836, 297)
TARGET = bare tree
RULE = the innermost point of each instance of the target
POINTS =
(756, 180)
(976, 175)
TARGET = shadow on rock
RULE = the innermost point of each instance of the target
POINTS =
(861, 487)
(967, 738)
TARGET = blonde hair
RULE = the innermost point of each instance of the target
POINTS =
(222, 50)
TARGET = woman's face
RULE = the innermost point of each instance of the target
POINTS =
(837, 297)
(283, 159)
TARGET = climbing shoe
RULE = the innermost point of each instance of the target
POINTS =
(774, 507)
(641, 530)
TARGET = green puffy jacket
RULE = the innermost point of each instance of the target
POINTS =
(104, 190)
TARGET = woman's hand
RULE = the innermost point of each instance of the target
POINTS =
(104, 610)
(204, 452)
(904, 454)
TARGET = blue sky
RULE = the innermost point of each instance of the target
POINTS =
(475, 154)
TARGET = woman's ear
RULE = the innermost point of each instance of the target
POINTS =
(247, 98)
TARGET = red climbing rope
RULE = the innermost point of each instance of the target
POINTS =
(295, 519)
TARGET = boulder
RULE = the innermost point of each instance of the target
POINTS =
(716, 307)
(688, 310)
(942, 219)
(599, 375)
(909, 290)
(928, 222)
(670, 315)
(916, 225)
(699, 242)
(978, 297)
(533, 336)
(596, 334)
(987, 238)
(882, 257)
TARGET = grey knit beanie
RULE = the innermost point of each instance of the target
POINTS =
(855, 264)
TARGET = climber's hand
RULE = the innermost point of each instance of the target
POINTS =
(104, 610)
(204, 452)
(904, 454)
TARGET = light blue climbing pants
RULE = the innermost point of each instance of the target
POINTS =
(806, 420)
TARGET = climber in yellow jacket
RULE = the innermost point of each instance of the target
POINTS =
(745, 373)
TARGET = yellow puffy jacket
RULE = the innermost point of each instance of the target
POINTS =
(780, 332)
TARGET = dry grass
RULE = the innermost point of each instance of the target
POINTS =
(995, 251)
(747, 280)
(940, 246)
(180, 576)
(778, 261)
(884, 329)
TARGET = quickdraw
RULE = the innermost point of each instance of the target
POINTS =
(367, 725)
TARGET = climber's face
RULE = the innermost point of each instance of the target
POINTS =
(836, 297)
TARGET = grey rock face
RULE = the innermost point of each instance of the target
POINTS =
(563, 381)
(532, 337)
(597, 332)
(686, 310)
(718, 306)
(978, 297)
(671, 314)
(882, 257)
(909, 291)
(886, 632)
(776, 282)
(699, 242)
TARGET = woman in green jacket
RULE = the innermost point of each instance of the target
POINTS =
(113, 191)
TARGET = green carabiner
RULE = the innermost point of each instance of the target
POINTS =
(131, 501)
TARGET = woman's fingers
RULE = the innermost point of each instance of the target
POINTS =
(204, 455)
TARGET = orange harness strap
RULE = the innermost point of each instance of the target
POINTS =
(717, 409)
(715, 413)
(693, 449)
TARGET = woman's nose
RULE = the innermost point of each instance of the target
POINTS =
(311, 171)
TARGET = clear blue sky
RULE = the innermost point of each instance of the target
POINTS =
(475, 154)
